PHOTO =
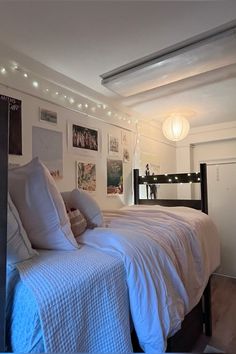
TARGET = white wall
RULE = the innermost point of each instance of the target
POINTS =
(30, 117)
(215, 144)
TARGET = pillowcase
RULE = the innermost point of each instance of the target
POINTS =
(77, 221)
(18, 245)
(41, 207)
(82, 200)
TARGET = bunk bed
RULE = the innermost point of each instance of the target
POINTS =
(199, 320)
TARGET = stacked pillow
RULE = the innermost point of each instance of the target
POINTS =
(82, 200)
(78, 222)
(18, 245)
(41, 207)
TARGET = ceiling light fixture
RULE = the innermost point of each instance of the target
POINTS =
(197, 55)
(175, 127)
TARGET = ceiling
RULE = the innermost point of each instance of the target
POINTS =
(84, 39)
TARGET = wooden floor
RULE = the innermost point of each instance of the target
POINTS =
(223, 316)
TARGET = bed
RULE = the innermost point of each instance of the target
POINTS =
(137, 266)
(139, 275)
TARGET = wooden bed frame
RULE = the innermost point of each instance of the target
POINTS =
(198, 321)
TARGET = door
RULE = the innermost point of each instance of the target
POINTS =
(222, 209)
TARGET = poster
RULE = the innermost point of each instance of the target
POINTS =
(47, 145)
(114, 177)
(86, 176)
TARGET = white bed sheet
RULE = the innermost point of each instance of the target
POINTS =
(169, 254)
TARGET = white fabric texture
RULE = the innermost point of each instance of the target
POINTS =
(82, 300)
(169, 254)
(18, 245)
(82, 200)
(41, 207)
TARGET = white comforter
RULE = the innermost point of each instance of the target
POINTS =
(169, 254)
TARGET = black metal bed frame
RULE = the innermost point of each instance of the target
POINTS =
(4, 114)
(199, 320)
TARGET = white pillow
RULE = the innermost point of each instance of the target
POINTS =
(41, 207)
(83, 201)
(18, 245)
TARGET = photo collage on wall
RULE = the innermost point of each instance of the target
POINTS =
(47, 144)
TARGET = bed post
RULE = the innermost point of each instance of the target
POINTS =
(136, 186)
(3, 216)
(204, 199)
(207, 309)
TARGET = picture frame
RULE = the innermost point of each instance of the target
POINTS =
(47, 116)
(113, 145)
(86, 175)
(84, 140)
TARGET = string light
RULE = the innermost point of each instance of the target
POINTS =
(62, 95)
(35, 84)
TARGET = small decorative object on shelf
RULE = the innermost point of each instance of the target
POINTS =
(153, 187)
(147, 171)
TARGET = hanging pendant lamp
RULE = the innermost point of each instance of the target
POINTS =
(175, 128)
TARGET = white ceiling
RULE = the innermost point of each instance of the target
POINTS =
(84, 39)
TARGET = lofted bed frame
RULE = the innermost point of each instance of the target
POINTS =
(198, 321)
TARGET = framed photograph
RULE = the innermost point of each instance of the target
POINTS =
(126, 155)
(113, 145)
(86, 176)
(48, 146)
(114, 177)
(15, 125)
(83, 140)
(47, 116)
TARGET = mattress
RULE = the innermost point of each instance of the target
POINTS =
(86, 308)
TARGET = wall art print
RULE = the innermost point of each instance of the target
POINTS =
(114, 177)
(86, 176)
(113, 145)
(47, 116)
(48, 146)
(15, 125)
(126, 155)
(84, 138)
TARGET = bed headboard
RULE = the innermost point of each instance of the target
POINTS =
(197, 177)
(3, 216)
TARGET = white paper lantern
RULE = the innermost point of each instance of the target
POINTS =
(175, 128)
